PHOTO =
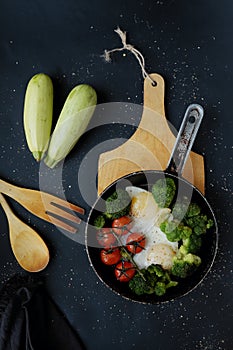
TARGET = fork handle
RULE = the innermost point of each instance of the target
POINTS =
(10, 190)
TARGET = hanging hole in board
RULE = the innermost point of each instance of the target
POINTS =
(154, 83)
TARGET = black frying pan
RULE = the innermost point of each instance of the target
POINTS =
(145, 179)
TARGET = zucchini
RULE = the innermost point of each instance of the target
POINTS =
(38, 112)
(72, 123)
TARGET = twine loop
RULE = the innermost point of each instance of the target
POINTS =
(133, 50)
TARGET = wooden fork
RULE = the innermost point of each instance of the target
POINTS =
(44, 205)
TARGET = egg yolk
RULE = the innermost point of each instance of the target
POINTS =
(143, 205)
(161, 254)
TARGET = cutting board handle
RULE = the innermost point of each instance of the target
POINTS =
(153, 118)
(154, 94)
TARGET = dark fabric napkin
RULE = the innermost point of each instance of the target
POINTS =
(30, 320)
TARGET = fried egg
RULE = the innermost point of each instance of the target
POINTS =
(146, 219)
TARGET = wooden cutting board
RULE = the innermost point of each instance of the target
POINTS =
(150, 146)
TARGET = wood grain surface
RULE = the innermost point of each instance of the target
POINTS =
(150, 146)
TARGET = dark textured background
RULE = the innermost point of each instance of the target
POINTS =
(190, 44)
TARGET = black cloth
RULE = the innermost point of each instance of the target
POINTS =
(30, 320)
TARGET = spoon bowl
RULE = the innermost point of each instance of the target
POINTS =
(28, 247)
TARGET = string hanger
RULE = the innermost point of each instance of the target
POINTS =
(133, 50)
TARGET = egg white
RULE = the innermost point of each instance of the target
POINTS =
(134, 190)
(143, 207)
(146, 218)
(158, 249)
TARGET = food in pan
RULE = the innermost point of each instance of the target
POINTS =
(151, 239)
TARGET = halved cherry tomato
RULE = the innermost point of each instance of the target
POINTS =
(110, 256)
(105, 237)
(124, 271)
(135, 242)
(122, 225)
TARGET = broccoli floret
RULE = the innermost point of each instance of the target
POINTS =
(156, 280)
(171, 284)
(146, 284)
(192, 244)
(118, 204)
(193, 210)
(157, 269)
(160, 288)
(185, 266)
(180, 208)
(184, 209)
(99, 222)
(182, 251)
(174, 236)
(175, 231)
(164, 282)
(209, 223)
(192, 259)
(163, 226)
(185, 231)
(164, 191)
(199, 223)
(180, 268)
(170, 228)
(140, 286)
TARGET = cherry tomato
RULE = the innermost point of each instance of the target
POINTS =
(110, 256)
(135, 242)
(122, 225)
(124, 271)
(105, 237)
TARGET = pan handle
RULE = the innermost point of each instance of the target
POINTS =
(185, 139)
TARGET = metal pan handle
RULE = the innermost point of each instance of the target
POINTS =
(185, 138)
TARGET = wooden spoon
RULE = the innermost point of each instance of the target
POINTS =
(28, 247)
